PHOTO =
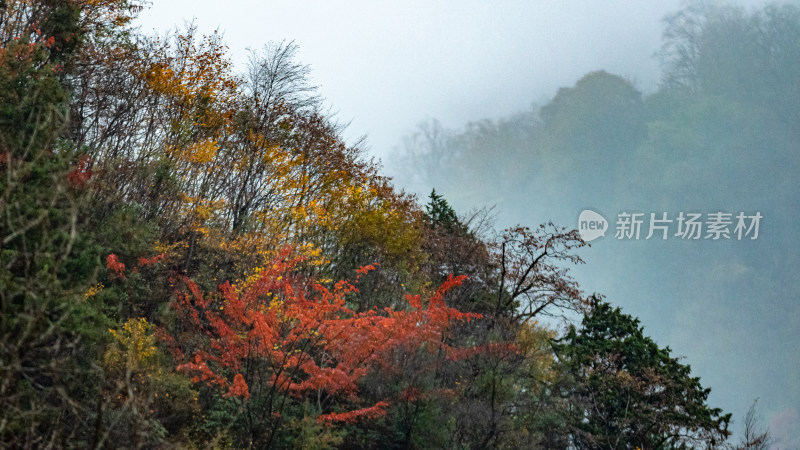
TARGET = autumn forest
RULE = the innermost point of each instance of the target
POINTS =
(193, 257)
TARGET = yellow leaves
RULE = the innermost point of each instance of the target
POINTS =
(185, 198)
(533, 342)
(133, 347)
(624, 377)
(192, 72)
(253, 178)
(116, 12)
(161, 78)
(191, 80)
(168, 248)
(203, 211)
(200, 152)
(274, 154)
(201, 230)
(249, 279)
(299, 214)
(312, 255)
(94, 290)
(275, 304)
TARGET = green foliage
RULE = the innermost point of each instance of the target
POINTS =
(47, 262)
(598, 118)
(439, 213)
(625, 391)
(304, 432)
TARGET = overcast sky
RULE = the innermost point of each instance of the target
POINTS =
(387, 66)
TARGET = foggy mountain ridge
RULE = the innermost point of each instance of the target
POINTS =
(719, 135)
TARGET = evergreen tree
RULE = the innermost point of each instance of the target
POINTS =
(439, 213)
(624, 391)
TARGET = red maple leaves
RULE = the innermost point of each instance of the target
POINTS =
(79, 175)
(305, 335)
(370, 412)
(114, 266)
(144, 262)
(117, 268)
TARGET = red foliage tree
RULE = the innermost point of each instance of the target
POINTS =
(115, 267)
(283, 336)
(81, 173)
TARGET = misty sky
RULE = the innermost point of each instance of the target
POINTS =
(385, 67)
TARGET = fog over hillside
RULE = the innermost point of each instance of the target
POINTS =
(720, 134)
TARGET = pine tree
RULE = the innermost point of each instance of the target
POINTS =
(439, 213)
(624, 391)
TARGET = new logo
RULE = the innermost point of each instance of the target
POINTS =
(591, 225)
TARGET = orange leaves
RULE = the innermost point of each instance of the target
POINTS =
(81, 173)
(203, 372)
(305, 335)
(366, 269)
(239, 388)
(415, 301)
(144, 262)
(116, 268)
(451, 282)
(372, 412)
